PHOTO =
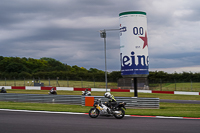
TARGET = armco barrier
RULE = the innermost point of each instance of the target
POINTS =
(148, 102)
(18, 87)
(40, 98)
(164, 92)
(132, 102)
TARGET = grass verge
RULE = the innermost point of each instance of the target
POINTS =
(187, 86)
(166, 109)
(116, 94)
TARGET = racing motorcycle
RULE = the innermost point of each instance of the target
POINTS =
(86, 93)
(3, 90)
(52, 92)
(101, 109)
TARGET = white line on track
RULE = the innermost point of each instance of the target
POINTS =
(74, 113)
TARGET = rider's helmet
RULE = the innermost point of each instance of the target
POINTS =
(52, 90)
(107, 94)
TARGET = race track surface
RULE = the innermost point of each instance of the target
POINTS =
(28, 122)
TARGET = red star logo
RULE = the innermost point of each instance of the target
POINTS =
(145, 40)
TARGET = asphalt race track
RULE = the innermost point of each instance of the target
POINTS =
(28, 122)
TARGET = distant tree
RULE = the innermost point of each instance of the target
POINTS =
(114, 76)
(25, 75)
(75, 68)
(16, 67)
(94, 70)
(54, 64)
(1, 58)
(45, 67)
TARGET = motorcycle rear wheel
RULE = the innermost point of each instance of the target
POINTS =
(120, 115)
(94, 113)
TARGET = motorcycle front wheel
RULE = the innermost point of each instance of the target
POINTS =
(120, 115)
(94, 113)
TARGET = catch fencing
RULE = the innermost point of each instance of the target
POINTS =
(132, 102)
(123, 83)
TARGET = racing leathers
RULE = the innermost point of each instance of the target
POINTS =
(112, 101)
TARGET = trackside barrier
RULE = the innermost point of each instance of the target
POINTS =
(98, 89)
(148, 102)
(132, 102)
(40, 98)
(187, 93)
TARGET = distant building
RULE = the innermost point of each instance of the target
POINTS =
(128, 83)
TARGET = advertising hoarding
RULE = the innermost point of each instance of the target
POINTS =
(133, 44)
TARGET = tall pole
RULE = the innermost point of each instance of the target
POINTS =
(5, 81)
(103, 35)
(105, 59)
(135, 87)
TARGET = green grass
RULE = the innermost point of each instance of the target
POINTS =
(177, 87)
(43, 107)
(112, 85)
(116, 94)
(169, 109)
(166, 109)
(60, 83)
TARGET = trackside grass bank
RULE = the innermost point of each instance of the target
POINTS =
(116, 94)
(166, 109)
(186, 86)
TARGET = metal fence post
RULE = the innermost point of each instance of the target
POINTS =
(81, 83)
(49, 81)
(175, 83)
(67, 82)
(94, 83)
(124, 83)
(57, 82)
(160, 84)
(14, 82)
(24, 81)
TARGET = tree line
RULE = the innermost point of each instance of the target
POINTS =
(49, 68)
(160, 76)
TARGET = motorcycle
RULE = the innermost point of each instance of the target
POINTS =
(3, 90)
(52, 92)
(86, 93)
(101, 109)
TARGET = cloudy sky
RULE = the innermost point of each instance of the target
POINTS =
(67, 30)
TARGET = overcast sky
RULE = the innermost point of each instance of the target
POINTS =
(67, 30)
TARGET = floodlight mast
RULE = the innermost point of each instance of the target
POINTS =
(103, 35)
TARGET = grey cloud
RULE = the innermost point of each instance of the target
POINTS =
(67, 30)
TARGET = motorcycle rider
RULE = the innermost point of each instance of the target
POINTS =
(111, 102)
(53, 91)
(85, 92)
(3, 90)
